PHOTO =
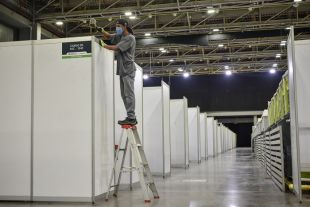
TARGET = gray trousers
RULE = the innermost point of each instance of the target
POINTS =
(128, 94)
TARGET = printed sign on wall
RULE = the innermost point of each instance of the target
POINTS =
(76, 49)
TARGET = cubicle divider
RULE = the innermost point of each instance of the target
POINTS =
(156, 130)
(179, 133)
(203, 136)
(66, 121)
(299, 98)
(73, 120)
(15, 120)
(211, 136)
(194, 134)
(216, 141)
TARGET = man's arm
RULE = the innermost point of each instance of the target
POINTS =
(111, 47)
(105, 34)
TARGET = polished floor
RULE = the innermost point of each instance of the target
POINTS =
(233, 179)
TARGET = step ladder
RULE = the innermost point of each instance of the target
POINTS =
(141, 164)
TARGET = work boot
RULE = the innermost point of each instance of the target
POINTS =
(128, 121)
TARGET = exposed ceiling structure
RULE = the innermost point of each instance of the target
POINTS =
(201, 37)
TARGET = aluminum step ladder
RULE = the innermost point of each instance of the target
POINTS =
(141, 164)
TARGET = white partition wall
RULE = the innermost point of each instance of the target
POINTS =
(194, 134)
(15, 120)
(179, 133)
(210, 132)
(219, 138)
(120, 114)
(298, 53)
(225, 139)
(203, 136)
(215, 142)
(156, 130)
(73, 119)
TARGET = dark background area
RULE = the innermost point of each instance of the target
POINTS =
(243, 131)
(238, 92)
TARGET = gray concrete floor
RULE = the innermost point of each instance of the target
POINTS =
(233, 179)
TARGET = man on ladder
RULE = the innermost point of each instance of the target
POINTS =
(125, 52)
(124, 47)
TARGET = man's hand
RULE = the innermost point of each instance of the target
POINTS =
(100, 29)
(101, 43)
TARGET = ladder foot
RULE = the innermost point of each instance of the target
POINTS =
(147, 201)
(115, 195)
(156, 197)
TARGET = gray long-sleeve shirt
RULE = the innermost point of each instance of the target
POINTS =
(126, 55)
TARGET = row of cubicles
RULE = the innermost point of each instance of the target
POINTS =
(60, 101)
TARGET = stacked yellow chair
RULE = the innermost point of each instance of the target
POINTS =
(279, 104)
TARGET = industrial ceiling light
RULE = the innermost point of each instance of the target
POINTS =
(132, 17)
(147, 34)
(275, 65)
(283, 43)
(228, 72)
(59, 23)
(185, 74)
(180, 69)
(171, 60)
(164, 51)
(288, 28)
(278, 55)
(211, 11)
(216, 30)
(297, 0)
(128, 13)
(145, 76)
(226, 67)
(161, 48)
(272, 71)
(220, 45)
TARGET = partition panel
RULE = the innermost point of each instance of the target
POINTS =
(215, 134)
(194, 134)
(15, 120)
(62, 124)
(179, 133)
(210, 132)
(294, 115)
(166, 126)
(203, 136)
(103, 117)
(156, 130)
(219, 138)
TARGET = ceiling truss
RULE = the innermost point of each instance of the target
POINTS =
(170, 18)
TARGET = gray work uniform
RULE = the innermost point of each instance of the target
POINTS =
(126, 69)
